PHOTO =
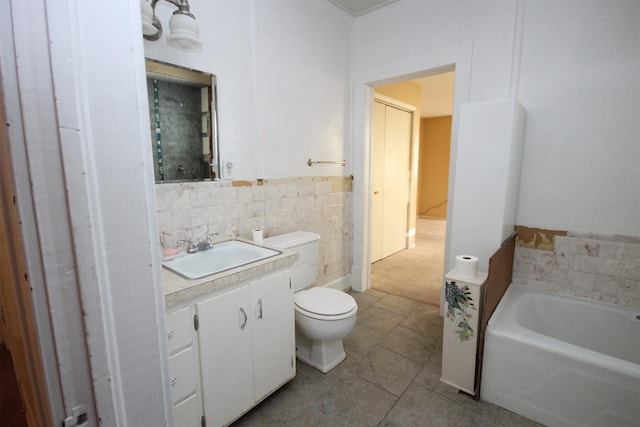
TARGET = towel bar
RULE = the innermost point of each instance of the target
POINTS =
(312, 162)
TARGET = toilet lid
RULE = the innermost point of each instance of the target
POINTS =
(325, 301)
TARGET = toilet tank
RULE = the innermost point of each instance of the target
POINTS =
(305, 270)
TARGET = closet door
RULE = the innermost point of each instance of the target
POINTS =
(390, 180)
(396, 180)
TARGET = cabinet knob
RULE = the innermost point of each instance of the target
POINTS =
(169, 335)
(174, 380)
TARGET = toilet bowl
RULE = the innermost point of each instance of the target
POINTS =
(323, 316)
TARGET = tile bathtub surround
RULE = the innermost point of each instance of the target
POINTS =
(235, 208)
(595, 266)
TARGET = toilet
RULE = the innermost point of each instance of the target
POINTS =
(323, 316)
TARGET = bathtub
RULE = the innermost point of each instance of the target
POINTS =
(563, 361)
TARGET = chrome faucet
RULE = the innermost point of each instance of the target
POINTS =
(191, 248)
(206, 243)
(200, 246)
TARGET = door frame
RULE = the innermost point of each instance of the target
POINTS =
(421, 64)
(21, 337)
(414, 142)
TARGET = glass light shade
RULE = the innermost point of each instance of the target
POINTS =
(147, 19)
(184, 32)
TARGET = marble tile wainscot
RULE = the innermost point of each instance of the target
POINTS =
(588, 265)
(321, 204)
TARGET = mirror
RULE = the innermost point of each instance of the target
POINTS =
(184, 125)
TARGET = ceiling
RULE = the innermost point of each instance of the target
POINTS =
(360, 7)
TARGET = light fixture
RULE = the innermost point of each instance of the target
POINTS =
(183, 28)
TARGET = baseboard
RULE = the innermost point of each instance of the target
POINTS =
(341, 284)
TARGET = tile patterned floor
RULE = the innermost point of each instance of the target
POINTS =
(390, 378)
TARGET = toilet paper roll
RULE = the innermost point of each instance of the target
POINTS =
(257, 236)
(466, 266)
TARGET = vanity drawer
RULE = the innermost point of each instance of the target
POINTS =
(188, 413)
(182, 374)
(179, 327)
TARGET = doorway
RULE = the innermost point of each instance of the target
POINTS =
(414, 270)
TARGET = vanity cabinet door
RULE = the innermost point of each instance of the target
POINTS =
(226, 355)
(273, 333)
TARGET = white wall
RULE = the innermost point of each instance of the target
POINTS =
(574, 66)
(304, 87)
(283, 74)
(409, 27)
(580, 84)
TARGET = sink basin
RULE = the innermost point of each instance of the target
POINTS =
(224, 256)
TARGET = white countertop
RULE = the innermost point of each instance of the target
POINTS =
(178, 289)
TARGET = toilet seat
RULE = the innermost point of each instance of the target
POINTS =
(325, 304)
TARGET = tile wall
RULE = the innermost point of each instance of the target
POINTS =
(595, 266)
(235, 208)
(180, 118)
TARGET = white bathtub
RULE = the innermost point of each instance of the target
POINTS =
(563, 361)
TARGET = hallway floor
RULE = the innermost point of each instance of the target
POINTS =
(415, 273)
(390, 378)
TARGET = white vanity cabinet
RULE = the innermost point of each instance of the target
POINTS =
(247, 345)
(231, 348)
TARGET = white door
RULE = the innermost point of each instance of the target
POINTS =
(226, 355)
(390, 180)
(273, 332)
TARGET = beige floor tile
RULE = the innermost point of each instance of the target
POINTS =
(351, 402)
(429, 324)
(409, 343)
(388, 370)
(365, 299)
(379, 319)
(419, 406)
(285, 405)
(489, 415)
(346, 366)
(429, 377)
(361, 340)
(402, 305)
